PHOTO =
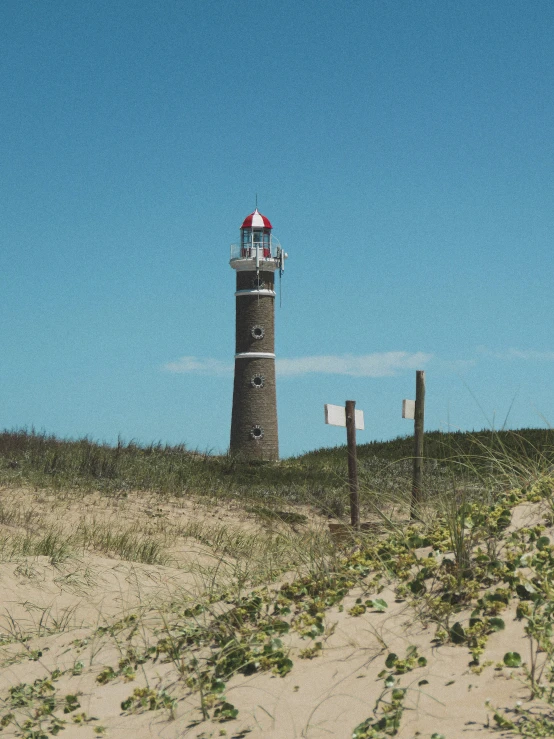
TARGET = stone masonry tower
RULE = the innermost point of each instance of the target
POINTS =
(256, 258)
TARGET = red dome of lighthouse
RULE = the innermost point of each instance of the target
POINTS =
(256, 220)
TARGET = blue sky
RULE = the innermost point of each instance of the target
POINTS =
(403, 151)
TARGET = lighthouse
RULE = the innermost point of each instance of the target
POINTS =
(256, 259)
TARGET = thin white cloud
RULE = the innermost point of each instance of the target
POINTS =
(528, 355)
(198, 366)
(385, 364)
(459, 366)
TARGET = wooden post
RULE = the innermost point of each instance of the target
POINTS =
(352, 463)
(419, 418)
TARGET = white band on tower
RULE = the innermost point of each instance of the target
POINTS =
(255, 355)
(255, 291)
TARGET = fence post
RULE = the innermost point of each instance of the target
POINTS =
(419, 418)
(350, 409)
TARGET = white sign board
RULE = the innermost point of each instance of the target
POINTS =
(335, 415)
(408, 409)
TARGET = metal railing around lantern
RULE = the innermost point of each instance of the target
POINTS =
(248, 250)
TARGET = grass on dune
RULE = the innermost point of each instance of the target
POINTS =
(458, 466)
(43, 461)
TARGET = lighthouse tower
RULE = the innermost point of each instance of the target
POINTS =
(256, 259)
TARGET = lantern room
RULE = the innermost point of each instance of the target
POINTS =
(258, 248)
(255, 236)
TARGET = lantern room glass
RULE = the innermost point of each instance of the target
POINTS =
(255, 237)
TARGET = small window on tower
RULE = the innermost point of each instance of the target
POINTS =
(257, 432)
(258, 381)
(257, 332)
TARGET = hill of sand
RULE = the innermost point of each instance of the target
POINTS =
(84, 629)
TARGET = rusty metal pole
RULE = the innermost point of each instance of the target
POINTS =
(419, 418)
(350, 408)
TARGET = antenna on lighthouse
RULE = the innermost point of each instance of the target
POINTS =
(281, 262)
(280, 289)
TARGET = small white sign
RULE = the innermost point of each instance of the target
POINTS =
(408, 409)
(335, 415)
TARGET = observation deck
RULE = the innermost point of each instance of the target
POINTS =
(265, 256)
